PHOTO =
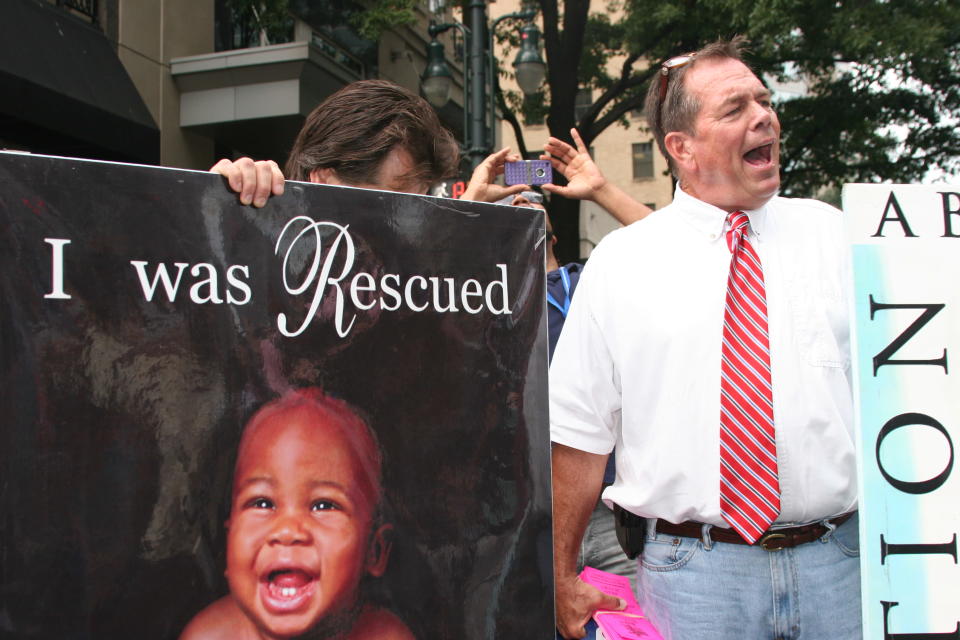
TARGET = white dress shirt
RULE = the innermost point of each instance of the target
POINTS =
(638, 362)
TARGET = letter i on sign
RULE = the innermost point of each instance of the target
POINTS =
(56, 269)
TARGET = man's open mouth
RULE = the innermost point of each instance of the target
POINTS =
(759, 156)
(285, 590)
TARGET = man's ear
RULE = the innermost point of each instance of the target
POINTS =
(379, 552)
(324, 175)
(678, 145)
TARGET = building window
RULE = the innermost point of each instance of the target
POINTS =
(642, 160)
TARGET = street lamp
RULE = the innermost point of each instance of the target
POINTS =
(437, 79)
(529, 66)
(479, 114)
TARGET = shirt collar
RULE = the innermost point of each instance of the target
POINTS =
(710, 220)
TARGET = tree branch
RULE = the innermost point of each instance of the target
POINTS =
(618, 111)
(589, 126)
(616, 88)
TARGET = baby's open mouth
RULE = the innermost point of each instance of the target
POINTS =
(287, 589)
(760, 155)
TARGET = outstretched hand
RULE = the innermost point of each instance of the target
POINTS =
(584, 178)
(482, 185)
(254, 181)
(576, 602)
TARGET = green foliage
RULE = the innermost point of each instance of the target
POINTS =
(380, 15)
(369, 17)
(883, 98)
(536, 108)
(882, 76)
(603, 40)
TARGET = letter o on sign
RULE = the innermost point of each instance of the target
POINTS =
(922, 486)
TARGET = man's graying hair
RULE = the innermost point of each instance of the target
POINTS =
(679, 110)
(356, 128)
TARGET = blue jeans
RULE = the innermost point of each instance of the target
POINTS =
(694, 589)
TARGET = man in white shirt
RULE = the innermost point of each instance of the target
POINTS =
(751, 525)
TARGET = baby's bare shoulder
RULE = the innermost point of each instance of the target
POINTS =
(221, 620)
(375, 623)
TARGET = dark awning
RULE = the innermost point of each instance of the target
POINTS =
(63, 90)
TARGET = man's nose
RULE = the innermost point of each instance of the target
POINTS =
(762, 115)
(289, 529)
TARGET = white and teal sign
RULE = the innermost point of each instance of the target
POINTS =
(905, 247)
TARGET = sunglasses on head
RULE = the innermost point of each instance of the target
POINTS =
(673, 63)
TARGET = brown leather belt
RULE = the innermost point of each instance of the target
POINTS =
(772, 540)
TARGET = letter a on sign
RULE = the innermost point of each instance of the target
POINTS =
(892, 204)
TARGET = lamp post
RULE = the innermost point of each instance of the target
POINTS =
(479, 112)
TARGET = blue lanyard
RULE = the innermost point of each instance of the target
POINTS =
(565, 279)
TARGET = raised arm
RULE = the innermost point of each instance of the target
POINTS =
(255, 181)
(585, 181)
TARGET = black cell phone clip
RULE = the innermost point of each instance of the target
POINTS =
(631, 531)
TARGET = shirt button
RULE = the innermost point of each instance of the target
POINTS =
(713, 236)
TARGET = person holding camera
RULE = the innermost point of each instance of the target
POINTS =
(372, 134)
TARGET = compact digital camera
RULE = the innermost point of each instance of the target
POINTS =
(528, 172)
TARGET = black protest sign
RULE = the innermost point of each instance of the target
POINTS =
(149, 320)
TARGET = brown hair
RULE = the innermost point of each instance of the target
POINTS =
(354, 130)
(679, 109)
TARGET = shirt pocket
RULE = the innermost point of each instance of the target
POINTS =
(820, 319)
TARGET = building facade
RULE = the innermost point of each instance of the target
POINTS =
(183, 82)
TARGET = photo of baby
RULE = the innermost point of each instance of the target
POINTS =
(305, 528)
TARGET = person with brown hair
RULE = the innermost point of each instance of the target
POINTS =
(709, 343)
(372, 134)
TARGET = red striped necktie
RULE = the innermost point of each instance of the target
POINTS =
(749, 485)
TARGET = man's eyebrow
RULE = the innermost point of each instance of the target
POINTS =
(735, 96)
(740, 95)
